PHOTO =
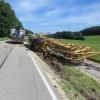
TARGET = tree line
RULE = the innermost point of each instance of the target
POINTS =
(80, 35)
(68, 35)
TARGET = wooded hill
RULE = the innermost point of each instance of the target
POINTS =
(8, 19)
(91, 31)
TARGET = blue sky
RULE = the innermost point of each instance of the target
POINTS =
(57, 15)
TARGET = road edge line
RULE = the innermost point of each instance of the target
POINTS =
(54, 97)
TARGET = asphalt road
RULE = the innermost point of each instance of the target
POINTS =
(19, 77)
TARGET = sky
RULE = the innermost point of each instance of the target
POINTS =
(49, 16)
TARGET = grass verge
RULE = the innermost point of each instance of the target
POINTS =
(3, 38)
(79, 86)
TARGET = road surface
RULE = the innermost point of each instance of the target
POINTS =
(19, 77)
(91, 68)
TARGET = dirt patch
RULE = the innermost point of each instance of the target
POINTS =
(56, 62)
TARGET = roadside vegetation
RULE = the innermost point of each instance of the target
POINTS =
(79, 86)
(3, 38)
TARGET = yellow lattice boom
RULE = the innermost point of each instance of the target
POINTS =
(69, 51)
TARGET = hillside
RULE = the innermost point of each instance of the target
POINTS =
(8, 19)
(91, 31)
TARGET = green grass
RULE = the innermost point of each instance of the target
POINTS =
(3, 38)
(79, 86)
(92, 41)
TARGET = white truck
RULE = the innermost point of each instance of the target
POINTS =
(17, 35)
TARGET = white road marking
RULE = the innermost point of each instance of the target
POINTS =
(44, 80)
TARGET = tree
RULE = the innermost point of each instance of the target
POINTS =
(28, 32)
(68, 35)
(8, 19)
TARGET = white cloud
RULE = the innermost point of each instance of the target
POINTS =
(26, 9)
(31, 5)
(54, 12)
(87, 19)
(88, 16)
(31, 18)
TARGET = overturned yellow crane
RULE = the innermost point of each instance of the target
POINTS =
(72, 53)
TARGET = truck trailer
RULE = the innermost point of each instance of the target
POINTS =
(17, 35)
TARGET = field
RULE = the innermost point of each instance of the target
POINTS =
(91, 41)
